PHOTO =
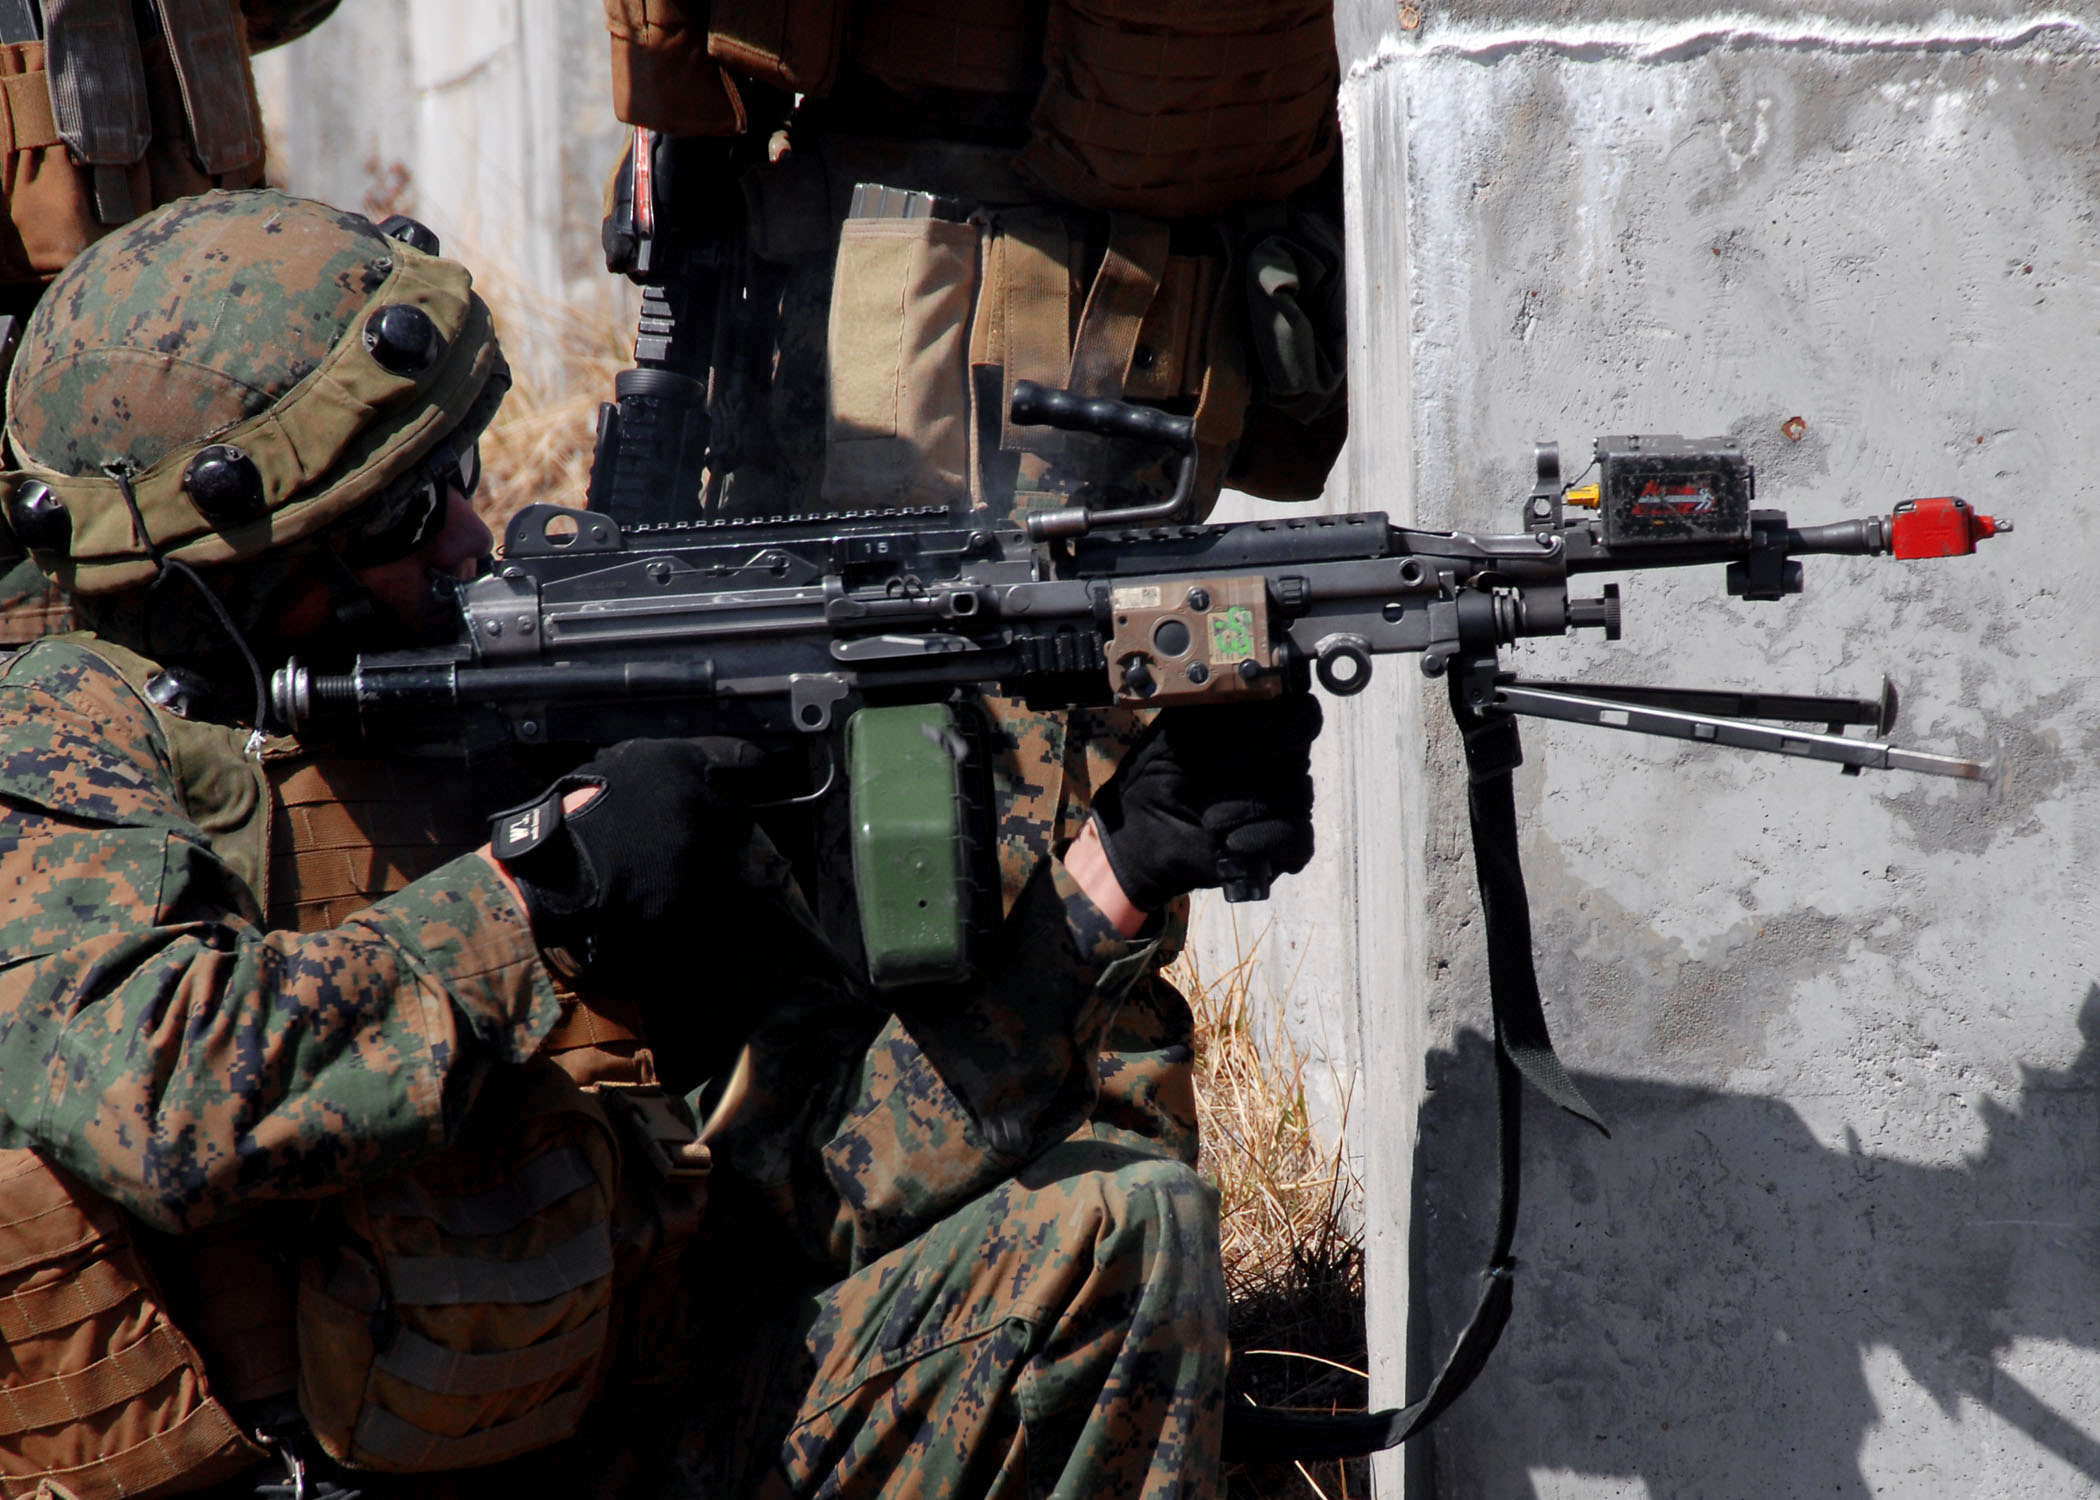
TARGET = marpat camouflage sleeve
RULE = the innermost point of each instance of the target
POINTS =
(157, 1043)
(856, 1132)
(954, 1099)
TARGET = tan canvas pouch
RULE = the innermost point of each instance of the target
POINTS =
(983, 46)
(898, 414)
(51, 214)
(1183, 110)
(662, 76)
(50, 200)
(1023, 331)
(791, 44)
(461, 1314)
(100, 1394)
(1129, 319)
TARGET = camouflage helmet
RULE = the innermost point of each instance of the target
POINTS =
(257, 366)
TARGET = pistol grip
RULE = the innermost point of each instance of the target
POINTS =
(1244, 880)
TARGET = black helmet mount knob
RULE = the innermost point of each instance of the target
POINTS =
(411, 232)
(225, 486)
(39, 518)
(403, 339)
(182, 691)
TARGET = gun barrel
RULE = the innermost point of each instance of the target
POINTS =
(368, 692)
(1867, 537)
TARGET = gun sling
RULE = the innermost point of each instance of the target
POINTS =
(1523, 1052)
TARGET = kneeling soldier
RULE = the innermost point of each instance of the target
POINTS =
(330, 1143)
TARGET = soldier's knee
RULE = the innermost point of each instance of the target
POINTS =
(1163, 1191)
(1162, 1211)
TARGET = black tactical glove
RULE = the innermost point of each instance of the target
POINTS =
(1229, 783)
(642, 868)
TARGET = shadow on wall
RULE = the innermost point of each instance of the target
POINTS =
(1698, 1295)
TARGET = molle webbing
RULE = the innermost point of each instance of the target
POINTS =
(980, 46)
(1182, 110)
(471, 1309)
(463, 1313)
(347, 830)
(99, 1390)
(34, 615)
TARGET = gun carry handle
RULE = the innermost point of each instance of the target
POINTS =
(1037, 405)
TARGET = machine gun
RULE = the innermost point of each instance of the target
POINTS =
(850, 632)
(857, 635)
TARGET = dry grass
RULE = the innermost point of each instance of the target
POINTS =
(1288, 1202)
(539, 446)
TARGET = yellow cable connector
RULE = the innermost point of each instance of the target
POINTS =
(1584, 495)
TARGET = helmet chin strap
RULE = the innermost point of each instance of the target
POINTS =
(351, 606)
(121, 472)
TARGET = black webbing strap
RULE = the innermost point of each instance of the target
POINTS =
(1523, 1051)
(1493, 753)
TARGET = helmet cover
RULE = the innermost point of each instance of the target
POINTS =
(254, 322)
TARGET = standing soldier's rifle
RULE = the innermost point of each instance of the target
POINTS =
(675, 227)
(856, 636)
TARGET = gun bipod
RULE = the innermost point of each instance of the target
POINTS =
(1745, 721)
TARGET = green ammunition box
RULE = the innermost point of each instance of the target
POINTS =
(911, 858)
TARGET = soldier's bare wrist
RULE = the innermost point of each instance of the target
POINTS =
(574, 801)
(1086, 861)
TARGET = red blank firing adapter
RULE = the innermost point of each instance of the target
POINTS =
(1945, 526)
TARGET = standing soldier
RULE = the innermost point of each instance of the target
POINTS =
(858, 223)
(331, 1143)
(109, 108)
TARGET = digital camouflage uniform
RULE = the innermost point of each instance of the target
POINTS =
(945, 99)
(975, 1253)
(931, 1212)
(171, 1053)
(162, 1046)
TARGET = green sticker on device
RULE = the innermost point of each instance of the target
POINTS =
(1231, 635)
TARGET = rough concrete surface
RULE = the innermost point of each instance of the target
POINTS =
(1846, 1237)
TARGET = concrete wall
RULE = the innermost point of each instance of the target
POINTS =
(1846, 1237)
(491, 121)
